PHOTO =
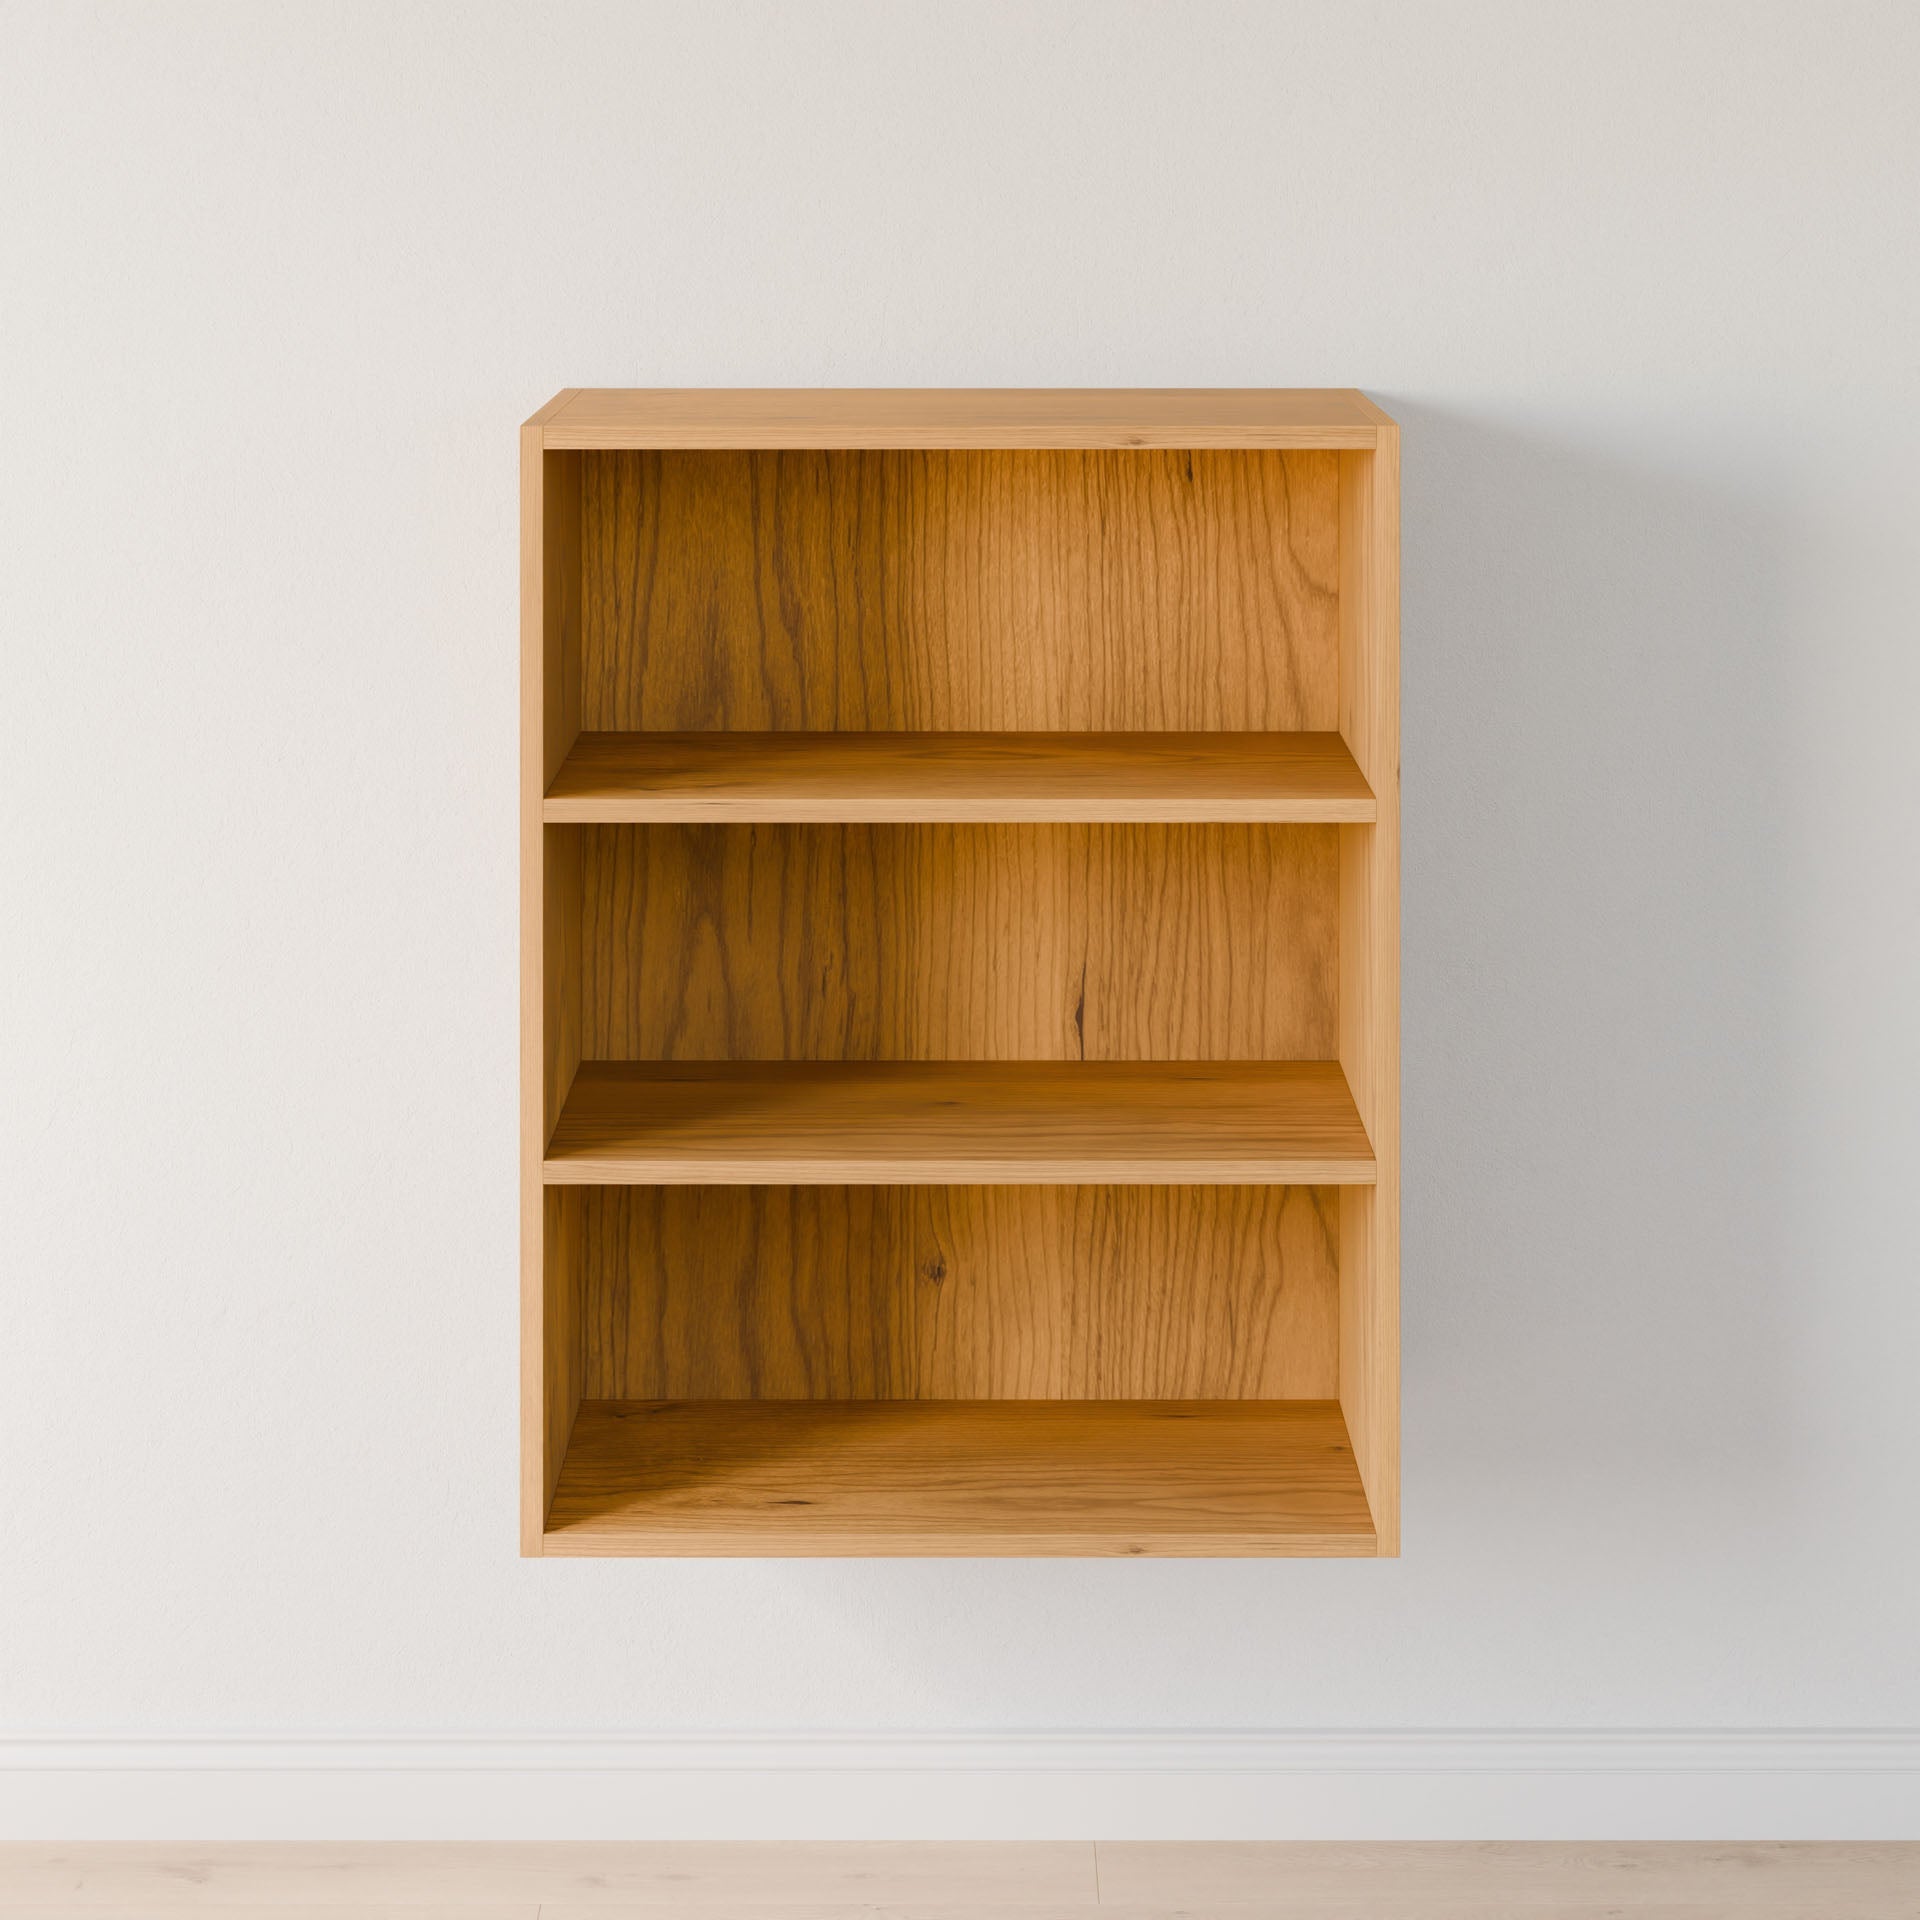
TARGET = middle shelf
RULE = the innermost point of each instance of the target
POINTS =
(698, 1123)
(1304, 778)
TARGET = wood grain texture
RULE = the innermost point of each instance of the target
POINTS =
(562, 970)
(324, 1904)
(1704, 1904)
(1746, 1879)
(562, 1327)
(1844, 1903)
(960, 592)
(960, 943)
(549, 923)
(1369, 1018)
(782, 990)
(560, 611)
(867, 1880)
(961, 1293)
(762, 777)
(959, 1122)
(960, 1477)
(232, 1879)
(940, 417)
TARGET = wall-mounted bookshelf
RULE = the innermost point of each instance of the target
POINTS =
(961, 975)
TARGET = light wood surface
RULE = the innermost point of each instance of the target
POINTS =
(966, 1122)
(988, 1477)
(959, 777)
(549, 953)
(940, 417)
(1539, 1879)
(960, 592)
(1369, 995)
(563, 1351)
(326, 1904)
(1378, 1880)
(961, 1293)
(598, 1876)
(960, 942)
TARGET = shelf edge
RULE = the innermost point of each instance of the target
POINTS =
(587, 1542)
(571, 812)
(583, 1171)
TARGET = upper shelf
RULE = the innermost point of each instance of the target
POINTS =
(975, 1122)
(955, 417)
(775, 777)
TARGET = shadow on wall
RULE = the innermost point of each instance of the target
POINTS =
(1596, 1083)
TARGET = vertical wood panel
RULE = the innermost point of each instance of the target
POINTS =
(549, 939)
(961, 942)
(965, 591)
(563, 1034)
(961, 1293)
(563, 1373)
(1122, 1293)
(560, 609)
(1369, 1021)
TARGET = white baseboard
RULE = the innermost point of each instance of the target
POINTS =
(1782, 1784)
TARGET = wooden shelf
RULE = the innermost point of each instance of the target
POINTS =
(959, 1122)
(1064, 777)
(959, 1477)
(942, 418)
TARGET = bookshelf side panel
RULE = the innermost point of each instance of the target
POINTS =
(1369, 1020)
(549, 957)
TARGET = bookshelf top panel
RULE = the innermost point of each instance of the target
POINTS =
(1064, 417)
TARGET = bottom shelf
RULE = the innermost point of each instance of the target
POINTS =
(790, 1477)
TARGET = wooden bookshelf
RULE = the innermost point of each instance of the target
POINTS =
(960, 1037)
(958, 1123)
(1157, 778)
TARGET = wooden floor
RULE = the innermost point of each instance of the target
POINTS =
(943, 1881)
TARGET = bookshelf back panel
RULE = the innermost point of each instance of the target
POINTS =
(960, 942)
(971, 591)
(960, 1293)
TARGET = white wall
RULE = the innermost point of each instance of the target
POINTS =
(278, 284)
